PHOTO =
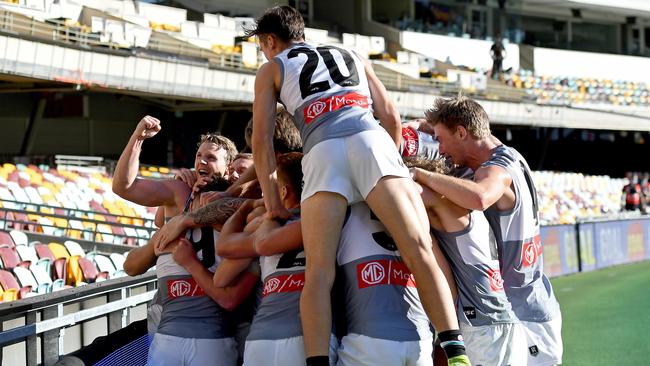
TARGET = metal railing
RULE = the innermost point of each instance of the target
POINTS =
(91, 230)
(33, 329)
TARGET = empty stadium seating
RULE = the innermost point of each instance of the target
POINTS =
(29, 269)
(70, 204)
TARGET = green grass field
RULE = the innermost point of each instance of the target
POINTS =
(606, 316)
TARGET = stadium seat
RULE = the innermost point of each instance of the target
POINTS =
(6, 239)
(44, 251)
(60, 269)
(42, 278)
(26, 279)
(74, 275)
(104, 264)
(8, 282)
(58, 250)
(74, 248)
(90, 271)
(10, 258)
(118, 261)
(19, 237)
(27, 253)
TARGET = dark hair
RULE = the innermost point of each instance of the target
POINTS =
(286, 137)
(283, 21)
(289, 168)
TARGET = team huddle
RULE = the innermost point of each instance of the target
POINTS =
(343, 240)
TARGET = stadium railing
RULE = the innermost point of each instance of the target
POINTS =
(33, 328)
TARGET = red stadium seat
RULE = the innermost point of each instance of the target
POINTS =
(60, 268)
(44, 251)
(5, 238)
(10, 258)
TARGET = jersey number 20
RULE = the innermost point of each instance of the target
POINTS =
(308, 88)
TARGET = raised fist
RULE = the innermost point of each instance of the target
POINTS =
(147, 128)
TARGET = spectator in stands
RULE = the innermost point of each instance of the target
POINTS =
(503, 188)
(498, 53)
(635, 199)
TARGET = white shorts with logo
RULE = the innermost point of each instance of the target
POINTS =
(544, 342)
(360, 350)
(166, 350)
(495, 345)
(281, 352)
(351, 165)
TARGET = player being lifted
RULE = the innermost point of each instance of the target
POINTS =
(349, 158)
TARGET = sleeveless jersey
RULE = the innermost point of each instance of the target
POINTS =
(474, 260)
(187, 311)
(326, 90)
(417, 143)
(381, 300)
(519, 243)
(278, 314)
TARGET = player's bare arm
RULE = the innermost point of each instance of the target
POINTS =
(264, 109)
(140, 260)
(489, 185)
(234, 241)
(126, 184)
(214, 214)
(272, 238)
(447, 216)
(227, 297)
(383, 106)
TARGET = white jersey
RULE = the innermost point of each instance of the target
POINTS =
(326, 90)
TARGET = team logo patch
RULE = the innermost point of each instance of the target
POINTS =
(384, 272)
(534, 351)
(285, 283)
(496, 281)
(410, 139)
(183, 288)
(319, 107)
(531, 251)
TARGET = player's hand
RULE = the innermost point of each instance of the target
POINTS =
(147, 128)
(188, 176)
(279, 213)
(420, 124)
(184, 254)
(170, 231)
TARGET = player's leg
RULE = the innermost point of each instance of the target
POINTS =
(399, 207)
(322, 217)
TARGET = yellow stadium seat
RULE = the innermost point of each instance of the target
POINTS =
(58, 250)
(10, 295)
(74, 275)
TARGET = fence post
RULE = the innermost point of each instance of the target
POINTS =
(31, 346)
(50, 339)
(578, 253)
(115, 318)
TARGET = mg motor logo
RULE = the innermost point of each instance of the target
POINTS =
(530, 251)
(315, 109)
(496, 281)
(271, 285)
(373, 273)
(180, 288)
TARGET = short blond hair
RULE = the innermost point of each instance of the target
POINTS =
(221, 142)
(436, 165)
(460, 111)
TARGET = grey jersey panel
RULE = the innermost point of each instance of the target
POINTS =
(186, 310)
(473, 257)
(518, 240)
(336, 110)
(381, 300)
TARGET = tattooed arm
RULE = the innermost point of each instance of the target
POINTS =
(213, 214)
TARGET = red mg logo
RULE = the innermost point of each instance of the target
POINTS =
(373, 273)
(315, 109)
(496, 281)
(180, 288)
(271, 285)
(529, 254)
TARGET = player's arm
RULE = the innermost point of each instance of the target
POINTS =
(227, 297)
(489, 185)
(447, 216)
(213, 214)
(264, 110)
(383, 106)
(272, 238)
(140, 260)
(235, 242)
(145, 192)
